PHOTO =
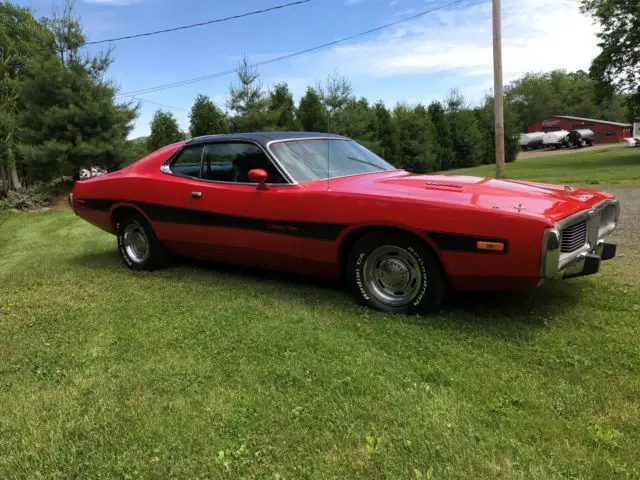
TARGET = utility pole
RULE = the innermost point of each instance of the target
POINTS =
(498, 87)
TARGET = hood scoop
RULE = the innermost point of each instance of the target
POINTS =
(443, 185)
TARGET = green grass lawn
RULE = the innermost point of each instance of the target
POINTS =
(220, 372)
(611, 166)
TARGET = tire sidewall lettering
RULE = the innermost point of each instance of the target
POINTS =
(358, 276)
(423, 270)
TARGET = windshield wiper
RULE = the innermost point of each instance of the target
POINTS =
(355, 159)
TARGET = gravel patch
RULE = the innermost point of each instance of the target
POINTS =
(627, 235)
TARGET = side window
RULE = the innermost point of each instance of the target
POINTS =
(188, 162)
(231, 162)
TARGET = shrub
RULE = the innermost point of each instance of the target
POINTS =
(25, 199)
(60, 185)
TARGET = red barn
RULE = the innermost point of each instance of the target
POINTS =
(605, 132)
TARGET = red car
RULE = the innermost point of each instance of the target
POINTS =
(323, 205)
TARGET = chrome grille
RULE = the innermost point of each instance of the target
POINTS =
(573, 237)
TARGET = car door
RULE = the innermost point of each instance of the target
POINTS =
(225, 216)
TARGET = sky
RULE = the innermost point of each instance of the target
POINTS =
(416, 61)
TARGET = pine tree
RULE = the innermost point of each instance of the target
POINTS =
(247, 101)
(465, 134)
(206, 118)
(282, 108)
(70, 118)
(357, 120)
(387, 133)
(336, 94)
(164, 131)
(311, 112)
(417, 149)
(444, 144)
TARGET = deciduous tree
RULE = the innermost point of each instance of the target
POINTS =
(617, 67)
(164, 130)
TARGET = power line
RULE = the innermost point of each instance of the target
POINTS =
(209, 22)
(189, 81)
(157, 103)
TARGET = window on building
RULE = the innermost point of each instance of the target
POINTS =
(610, 133)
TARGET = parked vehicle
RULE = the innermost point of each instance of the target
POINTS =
(531, 140)
(557, 139)
(581, 137)
(323, 205)
(633, 141)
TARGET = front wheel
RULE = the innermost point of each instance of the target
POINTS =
(395, 273)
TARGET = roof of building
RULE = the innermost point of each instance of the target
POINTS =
(263, 137)
(593, 120)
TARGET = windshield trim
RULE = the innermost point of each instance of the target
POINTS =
(303, 139)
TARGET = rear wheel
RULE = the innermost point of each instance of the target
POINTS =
(395, 273)
(139, 247)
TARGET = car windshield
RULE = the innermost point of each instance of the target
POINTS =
(319, 159)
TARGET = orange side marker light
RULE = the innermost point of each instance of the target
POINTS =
(491, 246)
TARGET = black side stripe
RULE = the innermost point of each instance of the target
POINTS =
(183, 216)
(453, 242)
(456, 242)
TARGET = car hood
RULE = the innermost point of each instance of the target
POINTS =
(553, 202)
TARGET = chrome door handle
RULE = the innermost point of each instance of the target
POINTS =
(196, 194)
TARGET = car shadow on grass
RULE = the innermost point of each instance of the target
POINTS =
(510, 315)
(514, 314)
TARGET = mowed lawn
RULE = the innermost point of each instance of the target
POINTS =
(222, 372)
(607, 166)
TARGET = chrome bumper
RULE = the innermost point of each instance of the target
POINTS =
(589, 263)
(586, 261)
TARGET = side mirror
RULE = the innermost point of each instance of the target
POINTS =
(259, 176)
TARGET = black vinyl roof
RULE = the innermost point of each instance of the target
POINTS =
(262, 138)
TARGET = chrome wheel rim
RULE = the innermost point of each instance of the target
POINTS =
(136, 243)
(393, 275)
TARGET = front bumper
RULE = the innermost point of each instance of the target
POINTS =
(585, 261)
(589, 263)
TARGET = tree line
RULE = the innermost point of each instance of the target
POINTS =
(440, 136)
(58, 112)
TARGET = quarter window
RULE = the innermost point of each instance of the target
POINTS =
(188, 162)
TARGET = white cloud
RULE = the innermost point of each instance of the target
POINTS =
(538, 35)
(453, 46)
